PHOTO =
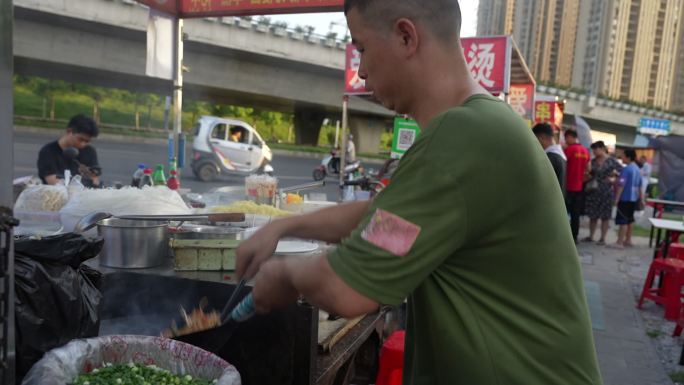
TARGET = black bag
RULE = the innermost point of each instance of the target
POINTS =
(591, 186)
(57, 298)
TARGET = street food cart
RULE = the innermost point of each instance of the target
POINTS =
(285, 347)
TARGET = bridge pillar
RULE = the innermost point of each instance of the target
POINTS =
(307, 123)
(6, 109)
(367, 133)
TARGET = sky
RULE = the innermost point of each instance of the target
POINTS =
(335, 21)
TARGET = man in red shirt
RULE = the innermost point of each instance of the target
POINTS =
(578, 159)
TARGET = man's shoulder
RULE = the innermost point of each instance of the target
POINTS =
(51, 147)
(476, 120)
(88, 150)
(555, 157)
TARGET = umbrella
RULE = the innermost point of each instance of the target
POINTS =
(583, 131)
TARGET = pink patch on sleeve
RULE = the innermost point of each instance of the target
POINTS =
(391, 233)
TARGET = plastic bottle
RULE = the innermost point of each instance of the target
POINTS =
(173, 183)
(138, 174)
(158, 176)
(146, 179)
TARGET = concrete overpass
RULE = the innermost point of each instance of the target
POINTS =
(103, 42)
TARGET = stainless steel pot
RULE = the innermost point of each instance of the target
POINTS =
(133, 244)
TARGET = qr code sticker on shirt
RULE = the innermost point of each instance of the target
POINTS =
(406, 138)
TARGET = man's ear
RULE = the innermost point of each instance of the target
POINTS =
(407, 34)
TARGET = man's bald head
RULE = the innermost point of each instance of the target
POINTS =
(441, 17)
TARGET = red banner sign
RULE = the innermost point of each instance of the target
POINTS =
(488, 60)
(353, 84)
(204, 8)
(168, 6)
(521, 99)
(548, 112)
(217, 8)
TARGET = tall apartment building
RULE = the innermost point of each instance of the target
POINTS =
(495, 17)
(624, 49)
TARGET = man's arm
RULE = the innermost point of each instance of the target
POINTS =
(618, 194)
(90, 160)
(556, 162)
(329, 225)
(47, 168)
(281, 280)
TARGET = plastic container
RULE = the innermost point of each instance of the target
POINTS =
(64, 364)
(146, 180)
(138, 174)
(158, 176)
(40, 223)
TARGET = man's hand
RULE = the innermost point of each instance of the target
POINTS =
(52, 179)
(86, 172)
(253, 252)
(273, 287)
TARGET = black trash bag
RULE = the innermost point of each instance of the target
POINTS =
(57, 298)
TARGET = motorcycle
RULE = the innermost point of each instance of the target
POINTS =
(372, 181)
(330, 165)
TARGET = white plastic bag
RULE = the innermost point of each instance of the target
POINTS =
(641, 217)
(62, 365)
(75, 186)
(126, 201)
(42, 198)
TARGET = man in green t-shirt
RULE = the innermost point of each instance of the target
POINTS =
(472, 230)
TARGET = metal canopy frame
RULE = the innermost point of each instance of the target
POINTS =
(185, 9)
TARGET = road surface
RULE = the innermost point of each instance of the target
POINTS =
(119, 159)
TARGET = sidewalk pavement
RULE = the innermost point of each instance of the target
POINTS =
(627, 342)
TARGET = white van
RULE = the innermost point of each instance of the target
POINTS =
(228, 146)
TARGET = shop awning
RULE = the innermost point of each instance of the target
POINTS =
(215, 8)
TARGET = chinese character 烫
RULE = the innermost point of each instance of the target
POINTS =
(481, 63)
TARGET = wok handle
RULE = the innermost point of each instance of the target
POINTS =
(226, 217)
(244, 310)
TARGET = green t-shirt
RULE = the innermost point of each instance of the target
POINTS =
(494, 288)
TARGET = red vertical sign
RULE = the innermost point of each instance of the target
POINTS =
(521, 99)
(548, 112)
(353, 84)
(488, 60)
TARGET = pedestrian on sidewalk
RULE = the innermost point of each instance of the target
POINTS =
(646, 171)
(578, 159)
(599, 190)
(544, 134)
(493, 281)
(629, 196)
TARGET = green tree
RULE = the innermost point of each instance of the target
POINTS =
(49, 90)
(151, 101)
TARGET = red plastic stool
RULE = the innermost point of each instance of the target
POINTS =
(391, 368)
(675, 250)
(670, 293)
(679, 324)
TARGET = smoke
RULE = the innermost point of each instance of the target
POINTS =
(144, 304)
